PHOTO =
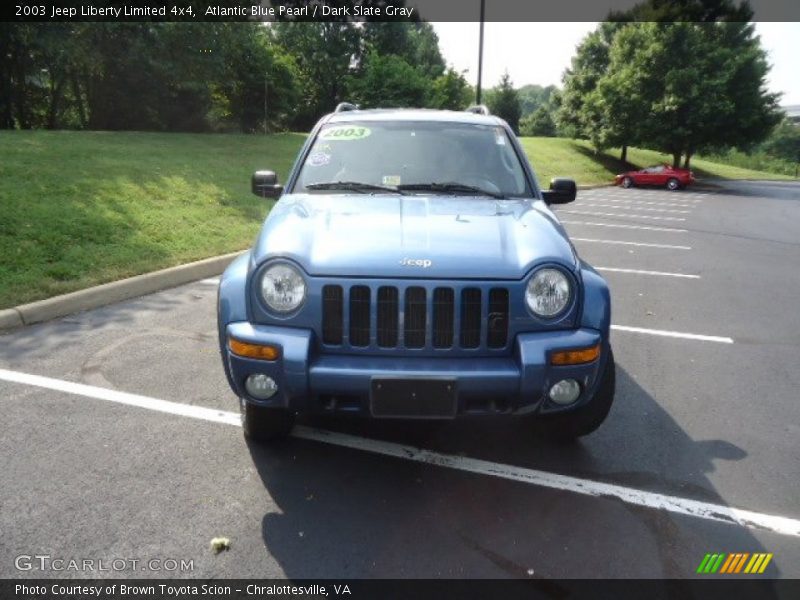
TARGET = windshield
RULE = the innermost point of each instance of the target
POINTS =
(413, 157)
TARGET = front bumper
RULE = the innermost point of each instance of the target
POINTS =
(311, 382)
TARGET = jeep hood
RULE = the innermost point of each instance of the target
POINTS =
(443, 237)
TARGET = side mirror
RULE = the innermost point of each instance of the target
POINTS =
(265, 184)
(561, 191)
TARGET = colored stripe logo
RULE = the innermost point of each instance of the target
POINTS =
(737, 562)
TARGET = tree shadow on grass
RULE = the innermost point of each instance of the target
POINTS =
(609, 163)
(346, 513)
(96, 231)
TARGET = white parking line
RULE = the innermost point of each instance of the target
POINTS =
(642, 193)
(212, 281)
(643, 244)
(624, 226)
(90, 391)
(586, 487)
(627, 216)
(674, 334)
(615, 200)
(644, 208)
(638, 272)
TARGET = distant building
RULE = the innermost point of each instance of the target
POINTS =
(793, 112)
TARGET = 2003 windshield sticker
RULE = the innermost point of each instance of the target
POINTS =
(344, 133)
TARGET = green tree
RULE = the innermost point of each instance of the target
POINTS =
(683, 87)
(450, 91)
(539, 123)
(39, 84)
(591, 60)
(503, 101)
(424, 52)
(253, 72)
(326, 54)
(693, 11)
(415, 42)
(146, 76)
(215, 76)
(388, 81)
(588, 65)
(613, 111)
(533, 96)
(784, 141)
(386, 37)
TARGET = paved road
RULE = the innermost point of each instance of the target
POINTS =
(697, 418)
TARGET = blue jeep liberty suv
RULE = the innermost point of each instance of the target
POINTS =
(412, 268)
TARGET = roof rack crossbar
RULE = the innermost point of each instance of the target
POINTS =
(345, 107)
(479, 109)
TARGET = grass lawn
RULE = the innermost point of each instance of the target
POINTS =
(553, 157)
(82, 208)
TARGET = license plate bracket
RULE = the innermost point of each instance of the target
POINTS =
(413, 398)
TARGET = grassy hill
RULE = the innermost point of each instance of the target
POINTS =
(577, 159)
(82, 208)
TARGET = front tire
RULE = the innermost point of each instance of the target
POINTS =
(627, 182)
(586, 419)
(673, 184)
(263, 424)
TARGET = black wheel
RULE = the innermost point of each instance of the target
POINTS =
(673, 184)
(265, 424)
(587, 418)
(627, 182)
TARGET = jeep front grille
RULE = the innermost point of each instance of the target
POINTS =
(332, 322)
(497, 326)
(359, 315)
(414, 317)
(443, 317)
(388, 317)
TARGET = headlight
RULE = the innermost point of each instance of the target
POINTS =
(283, 288)
(548, 292)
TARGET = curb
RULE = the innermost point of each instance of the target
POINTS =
(116, 291)
(708, 184)
(593, 186)
(10, 318)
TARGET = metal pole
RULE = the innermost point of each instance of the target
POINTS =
(480, 55)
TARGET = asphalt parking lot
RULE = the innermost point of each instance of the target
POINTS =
(699, 455)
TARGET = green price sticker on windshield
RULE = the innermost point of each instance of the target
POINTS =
(344, 133)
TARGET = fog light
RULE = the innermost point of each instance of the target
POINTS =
(565, 391)
(261, 386)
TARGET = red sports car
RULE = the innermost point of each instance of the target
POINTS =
(662, 175)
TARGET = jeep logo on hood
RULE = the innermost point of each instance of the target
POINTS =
(416, 262)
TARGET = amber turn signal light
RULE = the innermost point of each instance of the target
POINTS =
(575, 357)
(253, 350)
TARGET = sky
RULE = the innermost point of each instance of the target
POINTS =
(539, 52)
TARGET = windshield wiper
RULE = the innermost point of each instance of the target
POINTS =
(450, 187)
(353, 186)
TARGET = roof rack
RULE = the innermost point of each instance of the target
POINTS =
(345, 107)
(479, 109)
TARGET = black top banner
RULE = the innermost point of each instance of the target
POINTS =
(389, 10)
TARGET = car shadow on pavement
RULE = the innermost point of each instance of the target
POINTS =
(772, 189)
(347, 513)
